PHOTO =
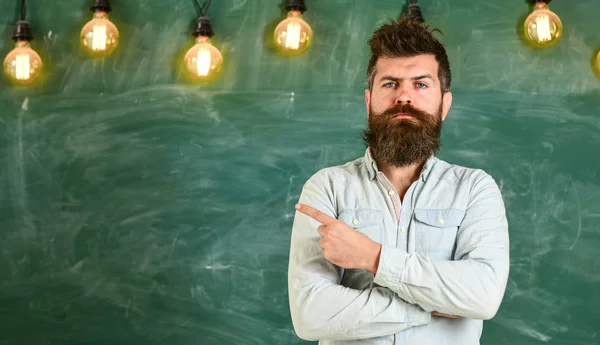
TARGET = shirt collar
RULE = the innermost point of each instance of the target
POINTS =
(372, 168)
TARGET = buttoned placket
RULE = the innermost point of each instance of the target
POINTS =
(392, 193)
(402, 214)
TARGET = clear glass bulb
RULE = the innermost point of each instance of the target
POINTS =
(23, 65)
(203, 61)
(293, 35)
(543, 27)
(597, 64)
(100, 36)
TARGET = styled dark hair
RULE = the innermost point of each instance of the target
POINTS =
(406, 38)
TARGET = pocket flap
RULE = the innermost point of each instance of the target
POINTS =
(440, 218)
(361, 218)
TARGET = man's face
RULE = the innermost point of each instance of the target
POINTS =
(406, 109)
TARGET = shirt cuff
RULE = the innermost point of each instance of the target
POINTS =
(391, 265)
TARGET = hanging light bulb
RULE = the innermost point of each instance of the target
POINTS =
(543, 27)
(100, 36)
(203, 61)
(597, 64)
(293, 35)
(22, 65)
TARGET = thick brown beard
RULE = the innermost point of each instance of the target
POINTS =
(403, 142)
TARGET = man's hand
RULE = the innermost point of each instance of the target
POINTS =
(437, 313)
(342, 245)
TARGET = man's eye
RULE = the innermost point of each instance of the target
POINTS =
(390, 84)
(421, 85)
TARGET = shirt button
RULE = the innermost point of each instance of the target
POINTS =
(355, 221)
(442, 221)
(402, 229)
(391, 192)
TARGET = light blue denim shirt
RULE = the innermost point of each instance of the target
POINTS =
(445, 248)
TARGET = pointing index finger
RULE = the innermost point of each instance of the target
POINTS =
(315, 214)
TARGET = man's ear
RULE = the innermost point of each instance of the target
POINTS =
(446, 104)
(368, 100)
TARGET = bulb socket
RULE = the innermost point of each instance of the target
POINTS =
(101, 5)
(296, 5)
(22, 32)
(203, 28)
(413, 12)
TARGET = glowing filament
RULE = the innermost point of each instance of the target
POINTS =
(203, 62)
(292, 37)
(542, 24)
(23, 67)
(99, 37)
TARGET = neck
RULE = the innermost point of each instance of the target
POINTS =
(401, 178)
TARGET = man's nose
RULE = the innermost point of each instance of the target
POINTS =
(403, 96)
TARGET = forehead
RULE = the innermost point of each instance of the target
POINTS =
(407, 66)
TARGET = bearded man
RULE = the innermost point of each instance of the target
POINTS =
(398, 246)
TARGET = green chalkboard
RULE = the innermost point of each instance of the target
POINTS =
(138, 208)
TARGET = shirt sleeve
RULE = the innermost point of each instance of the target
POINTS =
(472, 285)
(321, 308)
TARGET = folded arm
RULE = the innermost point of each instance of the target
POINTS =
(471, 286)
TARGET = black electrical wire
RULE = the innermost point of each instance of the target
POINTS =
(202, 9)
(23, 10)
(414, 11)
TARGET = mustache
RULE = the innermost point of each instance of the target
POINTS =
(405, 109)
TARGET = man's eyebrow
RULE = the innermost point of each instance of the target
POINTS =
(389, 77)
(424, 76)
(396, 79)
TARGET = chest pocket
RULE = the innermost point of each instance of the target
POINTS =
(435, 231)
(370, 223)
(367, 221)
